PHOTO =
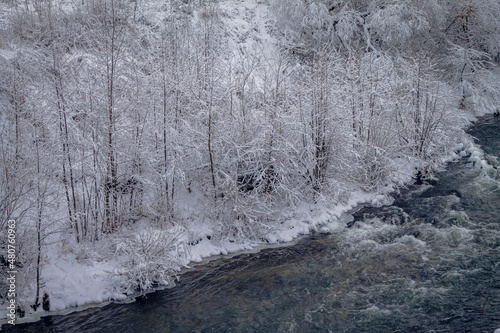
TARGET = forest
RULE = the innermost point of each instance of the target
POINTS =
(133, 131)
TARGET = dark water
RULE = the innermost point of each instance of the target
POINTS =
(430, 262)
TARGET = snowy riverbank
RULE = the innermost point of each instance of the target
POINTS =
(81, 276)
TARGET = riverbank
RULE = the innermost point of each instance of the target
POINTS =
(96, 274)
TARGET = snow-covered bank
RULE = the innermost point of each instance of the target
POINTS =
(92, 277)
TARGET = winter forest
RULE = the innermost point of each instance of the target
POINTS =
(138, 136)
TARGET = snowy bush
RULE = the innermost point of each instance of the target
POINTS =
(150, 257)
(375, 169)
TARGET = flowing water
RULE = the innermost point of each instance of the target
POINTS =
(430, 262)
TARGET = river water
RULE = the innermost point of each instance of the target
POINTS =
(430, 262)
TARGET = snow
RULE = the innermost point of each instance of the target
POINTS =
(72, 284)
(6, 55)
(209, 248)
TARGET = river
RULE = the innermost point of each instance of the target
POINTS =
(429, 262)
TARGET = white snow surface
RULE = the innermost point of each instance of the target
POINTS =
(72, 283)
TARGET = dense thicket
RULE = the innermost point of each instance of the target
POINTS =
(116, 110)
